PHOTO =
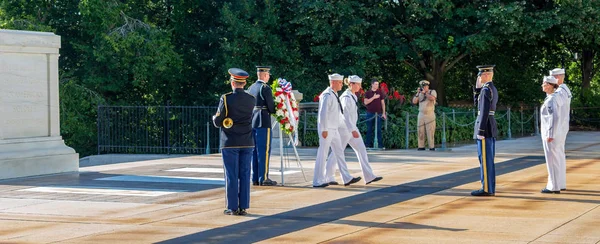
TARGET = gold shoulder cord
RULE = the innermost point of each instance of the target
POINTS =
(227, 122)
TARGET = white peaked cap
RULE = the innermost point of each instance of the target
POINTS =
(557, 71)
(354, 79)
(550, 79)
(336, 76)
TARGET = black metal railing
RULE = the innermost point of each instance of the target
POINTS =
(157, 130)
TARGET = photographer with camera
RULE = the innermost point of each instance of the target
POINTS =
(425, 97)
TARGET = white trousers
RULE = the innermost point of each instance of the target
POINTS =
(562, 176)
(332, 141)
(358, 145)
(553, 151)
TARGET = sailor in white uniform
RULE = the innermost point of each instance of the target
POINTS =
(328, 121)
(550, 129)
(563, 97)
(349, 133)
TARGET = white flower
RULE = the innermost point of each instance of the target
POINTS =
(287, 126)
(279, 113)
(296, 114)
(278, 89)
(279, 99)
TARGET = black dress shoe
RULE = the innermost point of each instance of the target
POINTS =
(549, 191)
(241, 212)
(322, 185)
(378, 178)
(481, 193)
(268, 182)
(334, 183)
(255, 183)
(354, 180)
(421, 149)
(563, 189)
(229, 212)
(432, 149)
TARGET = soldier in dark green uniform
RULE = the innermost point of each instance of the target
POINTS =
(486, 130)
(234, 117)
(261, 124)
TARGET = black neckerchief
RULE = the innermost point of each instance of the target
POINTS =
(338, 100)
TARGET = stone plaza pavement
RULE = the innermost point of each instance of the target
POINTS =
(423, 198)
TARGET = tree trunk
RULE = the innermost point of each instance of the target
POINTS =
(587, 69)
(436, 77)
(440, 88)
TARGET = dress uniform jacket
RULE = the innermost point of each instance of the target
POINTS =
(264, 106)
(486, 98)
(238, 106)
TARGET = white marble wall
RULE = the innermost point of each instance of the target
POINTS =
(30, 140)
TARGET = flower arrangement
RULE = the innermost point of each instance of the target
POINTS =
(286, 107)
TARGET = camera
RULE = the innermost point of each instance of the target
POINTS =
(420, 88)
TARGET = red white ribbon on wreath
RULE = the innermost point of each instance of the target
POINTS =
(286, 107)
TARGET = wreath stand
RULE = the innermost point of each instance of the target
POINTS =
(281, 155)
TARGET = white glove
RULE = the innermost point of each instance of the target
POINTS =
(480, 137)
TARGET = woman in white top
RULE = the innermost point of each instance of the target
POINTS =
(349, 131)
(550, 138)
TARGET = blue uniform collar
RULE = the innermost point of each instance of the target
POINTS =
(236, 90)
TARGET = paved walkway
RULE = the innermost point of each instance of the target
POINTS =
(423, 198)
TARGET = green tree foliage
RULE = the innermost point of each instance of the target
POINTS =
(140, 52)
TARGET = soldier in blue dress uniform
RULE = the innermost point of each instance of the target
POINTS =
(261, 126)
(486, 130)
(234, 117)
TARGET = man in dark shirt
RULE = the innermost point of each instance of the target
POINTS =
(375, 102)
(234, 117)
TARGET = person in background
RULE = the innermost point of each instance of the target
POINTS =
(375, 103)
(425, 98)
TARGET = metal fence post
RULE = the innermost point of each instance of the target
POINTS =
(537, 128)
(454, 115)
(304, 135)
(168, 136)
(376, 144)
(98, 128)
(207, 138)
(509, 129)
(444, 131)
(406, 128)
(522, 128)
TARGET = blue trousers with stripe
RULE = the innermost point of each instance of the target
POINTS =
(486, 150)
(237, 177)
(261, 155)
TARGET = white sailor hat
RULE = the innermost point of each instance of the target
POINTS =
(550, 79)
(336, 76)
(424, 83)
(557, 71)
(354, 79)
